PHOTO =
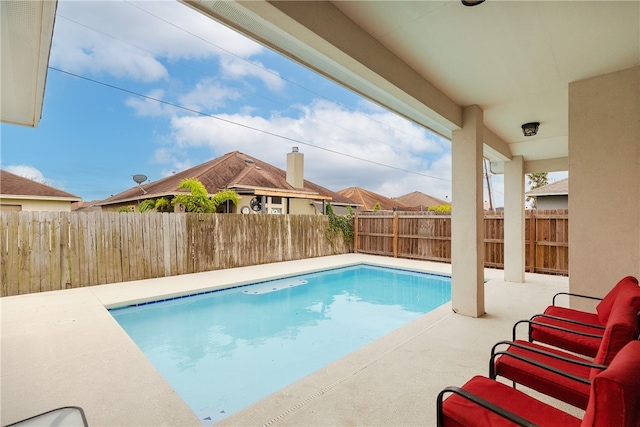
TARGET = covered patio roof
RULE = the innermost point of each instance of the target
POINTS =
(427, 60)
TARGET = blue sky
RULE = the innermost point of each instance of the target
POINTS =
(96, 133)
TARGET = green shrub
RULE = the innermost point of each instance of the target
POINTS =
(340, 224)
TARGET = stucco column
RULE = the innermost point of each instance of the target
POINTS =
(514, 261)
(467, 216)
(604, 182)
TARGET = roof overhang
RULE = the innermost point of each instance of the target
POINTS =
(275, 192)
(43, 198)
(27, 33)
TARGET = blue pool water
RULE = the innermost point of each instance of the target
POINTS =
(224, 350)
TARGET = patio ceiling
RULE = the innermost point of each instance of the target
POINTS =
(27, 31)
(427, 60)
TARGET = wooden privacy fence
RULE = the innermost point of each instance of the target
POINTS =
(43, 251)
(428, 236)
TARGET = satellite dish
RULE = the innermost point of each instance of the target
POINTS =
(139, 179)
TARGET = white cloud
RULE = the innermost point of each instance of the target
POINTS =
(208, 95)
(238, 69)
(28, 172)
(128, 39)
(382, 138)
(149, 107)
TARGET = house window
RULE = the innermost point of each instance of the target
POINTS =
(276, 200)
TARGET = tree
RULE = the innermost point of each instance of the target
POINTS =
(199, 200)
(537, 180)
(223, 196)
(159, 205)
(439, 208)
(377, 207)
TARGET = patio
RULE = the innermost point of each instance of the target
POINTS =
(63, 348)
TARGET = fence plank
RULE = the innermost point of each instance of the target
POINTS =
(10, 254)
(50, 271)
(64, 248)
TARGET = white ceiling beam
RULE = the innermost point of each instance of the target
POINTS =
(558, 164)
(494, 148)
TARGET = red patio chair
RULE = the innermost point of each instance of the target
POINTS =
(579, 331)
(603, 309)
(614, 400)
(558, 373)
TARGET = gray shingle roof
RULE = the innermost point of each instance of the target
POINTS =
(558, 188)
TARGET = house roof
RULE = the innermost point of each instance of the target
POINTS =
(367, 199)
(558, 188)
(15, 186)
(235, 170)
(419, 199)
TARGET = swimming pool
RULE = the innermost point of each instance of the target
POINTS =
(222, 351)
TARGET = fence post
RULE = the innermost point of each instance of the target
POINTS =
(395, 234)
(532, 242)
(356, 236)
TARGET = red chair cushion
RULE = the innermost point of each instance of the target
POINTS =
(572, 314)
(459, 411)
(629, 296)
(543, 380)
(621, 328)
(616, 392)
(605, 306)
(587, 346)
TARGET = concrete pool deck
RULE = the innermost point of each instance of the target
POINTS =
(63, 348)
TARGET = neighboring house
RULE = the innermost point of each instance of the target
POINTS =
(551, 196)
(368, 199)
(86, 206)
(420, 201)
(22, 194)
(263, 188)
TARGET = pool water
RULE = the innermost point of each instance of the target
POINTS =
(224, 350)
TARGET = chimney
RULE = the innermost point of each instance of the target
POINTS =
(295, 169)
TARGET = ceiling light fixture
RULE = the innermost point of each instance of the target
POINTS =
(530, 129)
(472, 2)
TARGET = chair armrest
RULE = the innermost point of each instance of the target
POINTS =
(545, 325)
(553, 302)
(575, 322)
(514, 418)
(585, 363)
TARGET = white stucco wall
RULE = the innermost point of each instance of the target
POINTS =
(604, 165)
(301, 207)
(38, 205)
